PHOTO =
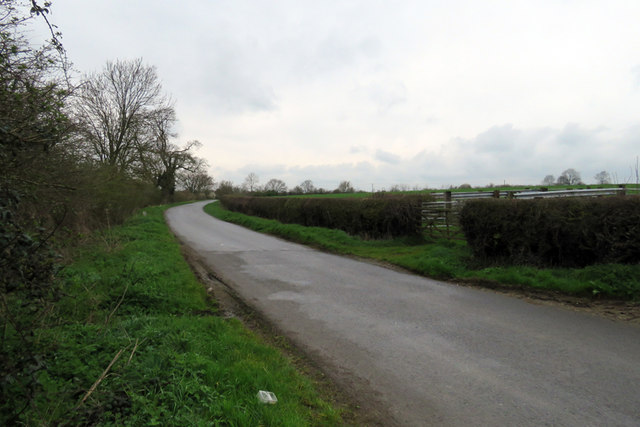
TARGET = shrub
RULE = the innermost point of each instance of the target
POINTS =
(27, 291)
(567, 232)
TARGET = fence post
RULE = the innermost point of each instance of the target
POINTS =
(447, 210)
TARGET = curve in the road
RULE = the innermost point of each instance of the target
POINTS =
(432, 353)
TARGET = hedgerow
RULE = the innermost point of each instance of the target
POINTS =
(569, 232)
(374, 218)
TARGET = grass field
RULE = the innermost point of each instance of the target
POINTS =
(452, 260)
(135, 341)
(631, 189)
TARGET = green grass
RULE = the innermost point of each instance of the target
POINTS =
(451, 260)
(130, 293)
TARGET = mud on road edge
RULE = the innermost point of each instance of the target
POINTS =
(350, 394)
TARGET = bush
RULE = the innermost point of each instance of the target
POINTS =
(568, 232)
(370, 218)
(27, 291)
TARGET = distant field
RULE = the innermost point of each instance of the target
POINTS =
(631, 189)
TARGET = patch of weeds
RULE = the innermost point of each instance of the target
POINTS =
(618, 280)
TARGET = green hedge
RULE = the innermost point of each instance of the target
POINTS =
(372, 218)
(567, 232)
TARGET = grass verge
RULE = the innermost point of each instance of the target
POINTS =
(452, 260)
(135, 341)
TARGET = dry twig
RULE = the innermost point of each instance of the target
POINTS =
(102, 377)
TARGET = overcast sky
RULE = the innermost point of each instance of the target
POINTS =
(416, 93)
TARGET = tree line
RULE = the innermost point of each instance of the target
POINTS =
(274, 187)
(572, 177)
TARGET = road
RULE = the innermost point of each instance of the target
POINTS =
(428, 352)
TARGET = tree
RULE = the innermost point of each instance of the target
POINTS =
(276, 186)
(114, 109)
(225, 187)
(569, 177)
(345, 187)
(307, 186)
(251, 182)
(197, 182)
(602, 177)
(548, 180)
(160, 160)
(397, 188)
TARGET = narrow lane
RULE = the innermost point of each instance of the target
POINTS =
(432, 353)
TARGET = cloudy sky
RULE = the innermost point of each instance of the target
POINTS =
(416, 93)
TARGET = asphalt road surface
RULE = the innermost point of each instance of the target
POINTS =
(428, 352)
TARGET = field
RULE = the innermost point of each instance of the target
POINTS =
(135, 340)
(451, 260)
(631, 189)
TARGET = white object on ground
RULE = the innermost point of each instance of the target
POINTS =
(267, 397)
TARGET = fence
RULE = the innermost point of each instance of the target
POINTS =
(440, 217)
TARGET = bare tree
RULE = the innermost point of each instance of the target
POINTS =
(345, 187)
(570, 177)
(307, 186)
(397, 188)
(113, 109)
(276, 186)
(197, 182)
(159, 160)
(251, 182)
(602, 177)
(548, 180)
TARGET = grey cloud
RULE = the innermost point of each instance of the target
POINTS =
(573, 135)
(498, 138)
(232, 81)
(370, 46)
(387, 157)
(339, 50)
(327, 55)
(387, 95)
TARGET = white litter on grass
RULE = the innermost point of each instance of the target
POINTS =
(267, 397)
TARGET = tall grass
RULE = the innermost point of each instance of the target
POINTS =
(135, 341)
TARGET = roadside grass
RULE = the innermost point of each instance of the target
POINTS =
(452, 260)
(134, 340)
